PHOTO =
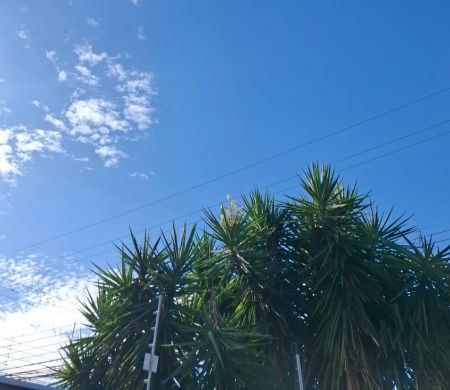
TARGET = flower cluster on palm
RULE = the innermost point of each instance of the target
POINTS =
(323, 274)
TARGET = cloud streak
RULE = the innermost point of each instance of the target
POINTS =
(140, 33)
(140, 175)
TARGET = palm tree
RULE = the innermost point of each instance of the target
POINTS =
(323, 274)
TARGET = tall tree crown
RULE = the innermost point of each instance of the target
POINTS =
(323, 274)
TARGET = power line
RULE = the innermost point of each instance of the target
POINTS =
(416, 132)
(421, 130)
(37, 373)
(12, 355)
(235, 171)
(34, 377)
(33, 364)
(371, 149)
(59, 313)
(45, 338)
(398, 150)
(349, 167)
(442, 240)
(37, 331)
(30, 347)
(392, 141)
(140, 231)
(13, 358)
(33, 373)
(442, 231)
(384, 154)
(28, 358)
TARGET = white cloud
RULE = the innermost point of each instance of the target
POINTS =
(26, 144)
(33, 274)
(40, 308)
(110, 155)
(39, 105)
(62, 75)
(108, 101)
(86, 55)
(5, 134)
(19, 144)
(53, 58)
(92, 22)
(57, 123)
(9, 167)
(51, 55)
(140, 175)
(96, 112)
(86, 76)
(29, 142)
(140, 33)
(138, 110)
(117, 71)
(137, 106)
(4, 109)
(138, 82)
(22, 34)
(2, 81)
(136, 2)
(81, 159)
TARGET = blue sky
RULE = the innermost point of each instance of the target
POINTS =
(107, 105)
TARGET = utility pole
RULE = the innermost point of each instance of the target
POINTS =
(299, 371)
(150, 359)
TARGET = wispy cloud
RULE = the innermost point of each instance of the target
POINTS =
(85, 116)
(55, 122)
(18, 145)
(140, 33)
(22, 34)
(81, 159)
(39, 105)
(140, 175)
(85, 75)
(108, 100)
(51, 55)
(4, 109)
(110, 154)
(62, 75)
(98, 115)
(39, 298)
(135, 2)
(87, 56)
(92, 22)
(53, 58)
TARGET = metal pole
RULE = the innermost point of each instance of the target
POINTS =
(299, 371)
(153, 344)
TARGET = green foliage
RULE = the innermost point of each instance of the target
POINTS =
(324, 274)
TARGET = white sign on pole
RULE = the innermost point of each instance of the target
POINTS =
(147, 359)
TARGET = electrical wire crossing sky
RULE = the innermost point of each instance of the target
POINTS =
(134, 114)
